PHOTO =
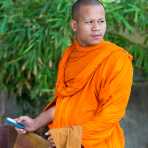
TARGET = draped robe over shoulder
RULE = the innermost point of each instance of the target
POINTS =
(92, 90)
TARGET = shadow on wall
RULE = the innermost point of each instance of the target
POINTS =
(135, 123)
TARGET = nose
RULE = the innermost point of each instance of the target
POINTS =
(95, 26)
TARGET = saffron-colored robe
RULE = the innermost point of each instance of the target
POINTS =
(92, 91)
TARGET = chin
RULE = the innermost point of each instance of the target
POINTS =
(94, 42)
(91, 42)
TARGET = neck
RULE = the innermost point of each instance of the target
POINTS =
(83, 45)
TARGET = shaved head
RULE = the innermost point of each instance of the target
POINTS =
(77, 5)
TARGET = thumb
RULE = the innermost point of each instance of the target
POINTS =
(22, 119)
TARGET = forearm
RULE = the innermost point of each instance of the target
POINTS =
(45, 117)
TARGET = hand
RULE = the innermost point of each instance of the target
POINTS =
(51, 140)
(30, 124)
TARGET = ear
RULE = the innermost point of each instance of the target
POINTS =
(73, 25)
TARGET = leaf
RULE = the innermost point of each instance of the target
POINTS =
(4, 25)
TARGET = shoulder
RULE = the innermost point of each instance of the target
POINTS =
(119, 54)
(117, 61)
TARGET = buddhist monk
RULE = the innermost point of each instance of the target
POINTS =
(93, 84)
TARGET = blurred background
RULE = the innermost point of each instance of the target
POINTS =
(33, 36)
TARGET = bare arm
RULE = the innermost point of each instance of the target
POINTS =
(45, 117)
(41, 120)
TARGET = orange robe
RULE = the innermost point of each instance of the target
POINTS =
(92, 91)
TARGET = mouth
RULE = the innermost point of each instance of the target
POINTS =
(96, 36)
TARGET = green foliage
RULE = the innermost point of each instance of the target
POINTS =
(34, 33)
(127, 24)
(32, 36)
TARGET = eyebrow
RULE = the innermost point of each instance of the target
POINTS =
(87, 19)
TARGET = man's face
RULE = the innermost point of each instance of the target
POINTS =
(90, 25)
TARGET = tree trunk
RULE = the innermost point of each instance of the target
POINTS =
(3, 100)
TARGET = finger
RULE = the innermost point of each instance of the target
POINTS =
(20, 119)
(50, 138)
(51, 141)
(52, 146)
(21, 131)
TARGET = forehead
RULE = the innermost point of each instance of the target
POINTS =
(91, 12)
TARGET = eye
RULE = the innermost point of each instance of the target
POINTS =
(101, 21)
(89, 22)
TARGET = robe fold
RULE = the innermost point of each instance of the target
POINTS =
(92, 90)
